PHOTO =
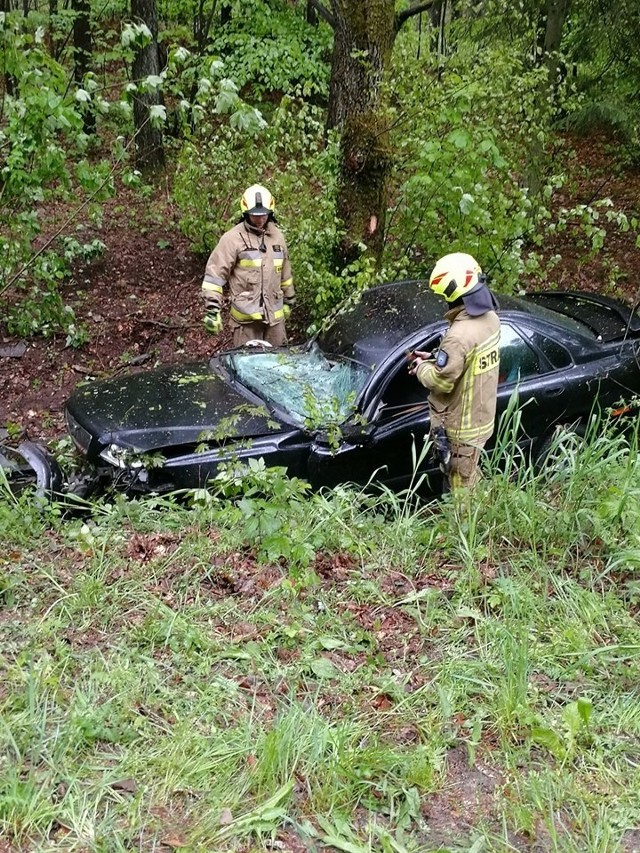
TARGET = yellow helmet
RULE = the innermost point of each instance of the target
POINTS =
(455, 275)
(257, 200)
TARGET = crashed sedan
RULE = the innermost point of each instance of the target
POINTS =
(343, 407)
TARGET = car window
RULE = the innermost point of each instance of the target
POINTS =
(403, 393)
(517, 359)
(302, 382)
(558, 355)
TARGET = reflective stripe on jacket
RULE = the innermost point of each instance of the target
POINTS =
(463, 390)
(259, 281)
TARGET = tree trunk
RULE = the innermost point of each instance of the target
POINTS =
(311, 15)
(82, 53)
(557, 11)
(437, 16)
(552, 25)
(50, 39)
(202, 22)
(363, 39)
(149, 148)
(10, 82)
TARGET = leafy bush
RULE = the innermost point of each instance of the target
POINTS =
(269, 47)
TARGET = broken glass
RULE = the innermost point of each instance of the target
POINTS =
(304, 383)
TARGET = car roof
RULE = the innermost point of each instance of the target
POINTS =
(384, 315)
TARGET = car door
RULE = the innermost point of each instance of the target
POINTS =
(390, 442)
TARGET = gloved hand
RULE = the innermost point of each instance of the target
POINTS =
(286, 310)
(212, 321)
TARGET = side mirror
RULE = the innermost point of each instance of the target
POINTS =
(357, 434)
(354, 434)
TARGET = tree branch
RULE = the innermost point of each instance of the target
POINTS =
(323, 12)
(403, 16)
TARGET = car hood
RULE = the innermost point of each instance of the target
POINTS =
(162, 408)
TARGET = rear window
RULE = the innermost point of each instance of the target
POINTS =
(607, 322)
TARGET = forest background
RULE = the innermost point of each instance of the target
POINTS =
(261, 668)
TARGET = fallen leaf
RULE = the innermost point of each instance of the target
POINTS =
(226, 818)
(128, 785)
(175, 841)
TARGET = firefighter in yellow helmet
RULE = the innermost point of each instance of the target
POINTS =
(252, 258)
(462, 376)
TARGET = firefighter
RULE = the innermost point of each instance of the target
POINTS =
(462, 375)
(252, 258)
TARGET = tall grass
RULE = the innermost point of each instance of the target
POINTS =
(397, 676)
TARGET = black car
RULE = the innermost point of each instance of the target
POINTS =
(343, 407)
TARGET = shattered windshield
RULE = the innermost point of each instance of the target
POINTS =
(305, 383)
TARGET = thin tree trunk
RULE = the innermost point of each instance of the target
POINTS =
(311, 15)
(149, 147)
(553, 24)
(82, 54)
(51, 40)
(557, 11)
(363, 39)
(10, 82)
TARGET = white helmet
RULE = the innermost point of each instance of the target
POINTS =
(257, 200)
(456, 275)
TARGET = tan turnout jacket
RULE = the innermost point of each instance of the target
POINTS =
(259, 281)
(463, 383)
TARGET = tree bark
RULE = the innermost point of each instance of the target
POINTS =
(10, 82)
(363, 40)
(311, 14)
(82, 53)
(364, 34)
(149, 147)
(557, 11)
(552, 25)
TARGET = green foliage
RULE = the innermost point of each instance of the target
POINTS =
(269, 48)
(41, 157)
(41, 309)
(460, 170)
(268, 505)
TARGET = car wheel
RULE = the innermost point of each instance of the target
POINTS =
(15, 473)
(30, 466)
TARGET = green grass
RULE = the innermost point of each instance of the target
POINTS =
(360, 674)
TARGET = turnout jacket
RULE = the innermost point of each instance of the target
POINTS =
(463, 378)
(259, 281)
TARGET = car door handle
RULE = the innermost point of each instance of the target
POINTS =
(554, 391)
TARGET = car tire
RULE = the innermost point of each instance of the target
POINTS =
(30, 466)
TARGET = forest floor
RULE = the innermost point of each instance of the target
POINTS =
(141, 305)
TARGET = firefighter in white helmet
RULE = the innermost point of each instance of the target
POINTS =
(253, 260)
(462, 376)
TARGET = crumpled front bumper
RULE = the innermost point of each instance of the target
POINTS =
(32, 464)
